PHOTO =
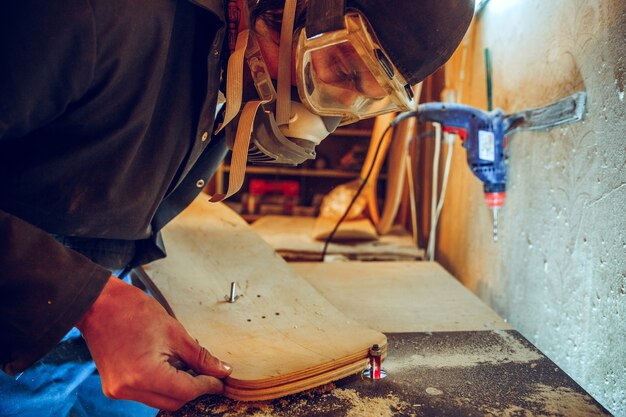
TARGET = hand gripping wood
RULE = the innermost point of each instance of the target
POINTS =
(280, 335)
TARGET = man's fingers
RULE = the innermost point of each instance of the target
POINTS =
(170, 391)
(180, 385)
(152, 399)
(184, 386)
(200, 360)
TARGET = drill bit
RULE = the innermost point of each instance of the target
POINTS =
(232, 297)
(495, 224)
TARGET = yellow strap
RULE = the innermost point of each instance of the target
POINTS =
(283, 99)
(234, 79)
(240, 150)
(234, 86)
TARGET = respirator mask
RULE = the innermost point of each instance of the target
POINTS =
(342, 75)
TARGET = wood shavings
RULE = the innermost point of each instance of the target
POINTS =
(371, 407)
(552, 402)
(254, 409)
(563, 401)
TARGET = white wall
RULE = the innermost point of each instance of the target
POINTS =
(558, 272)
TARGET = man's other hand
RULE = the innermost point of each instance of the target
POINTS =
(136, 345)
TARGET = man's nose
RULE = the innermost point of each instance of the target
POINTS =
(348, 97)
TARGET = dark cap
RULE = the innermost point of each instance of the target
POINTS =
(418, 35)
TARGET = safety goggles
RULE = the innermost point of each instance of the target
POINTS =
(346, 73)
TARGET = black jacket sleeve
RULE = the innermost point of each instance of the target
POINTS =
(45, 289)
(47, 50)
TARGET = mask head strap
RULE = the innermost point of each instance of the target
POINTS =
(234, 79)
(283, 98)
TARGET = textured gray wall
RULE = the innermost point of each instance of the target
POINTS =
(558, 273)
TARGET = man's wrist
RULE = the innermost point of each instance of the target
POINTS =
(99, 304)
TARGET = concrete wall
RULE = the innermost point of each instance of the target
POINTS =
(558, 272)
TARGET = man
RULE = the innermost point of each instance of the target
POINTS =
(107, 110)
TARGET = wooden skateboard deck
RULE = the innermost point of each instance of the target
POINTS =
(280, 335)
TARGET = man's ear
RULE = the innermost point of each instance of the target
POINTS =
(266, 31)
(268, 40)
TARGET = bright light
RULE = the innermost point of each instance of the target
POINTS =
(478, 6)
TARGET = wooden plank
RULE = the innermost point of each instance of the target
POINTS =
(281, 335)
(401, 296)
(349, 230)
(291, 237)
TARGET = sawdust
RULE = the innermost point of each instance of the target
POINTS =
(371, 407)
(565, 401)
(308, 401)
(510, 350)
(253, 409)
(553, 402)
(357, 406)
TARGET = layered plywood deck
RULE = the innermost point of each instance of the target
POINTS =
(281, 335)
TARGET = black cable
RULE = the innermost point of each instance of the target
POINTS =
(393, 124)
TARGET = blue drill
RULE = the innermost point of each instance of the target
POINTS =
(484, 136)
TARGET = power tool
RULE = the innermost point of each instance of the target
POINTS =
(484, 136)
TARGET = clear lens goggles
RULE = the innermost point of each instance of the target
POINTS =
(346, 73)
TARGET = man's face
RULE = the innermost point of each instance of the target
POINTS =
(342, 76)
(340, 73)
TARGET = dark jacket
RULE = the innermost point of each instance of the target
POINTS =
(104, 105)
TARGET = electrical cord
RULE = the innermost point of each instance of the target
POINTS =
(433, 193)
(435, 213)
(393, 124)
(438, 206)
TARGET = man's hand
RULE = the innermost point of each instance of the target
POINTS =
(135, 345)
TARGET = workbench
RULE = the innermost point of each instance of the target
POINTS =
(448, 354)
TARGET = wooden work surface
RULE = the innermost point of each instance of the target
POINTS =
(448, 354)
(291, 237)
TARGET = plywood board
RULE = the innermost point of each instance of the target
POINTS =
(280, 335)
(291, 237)
(401, 296)
(349, 230)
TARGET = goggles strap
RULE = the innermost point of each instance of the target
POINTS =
(239, 157)
(283, 99)
(234, 79)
